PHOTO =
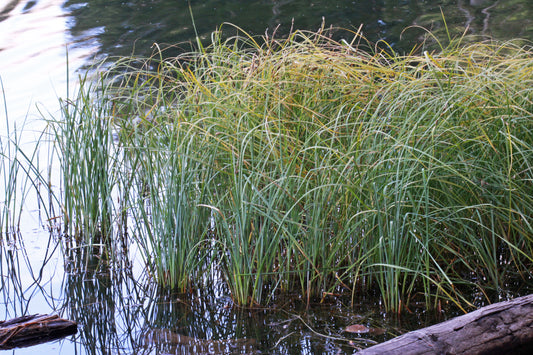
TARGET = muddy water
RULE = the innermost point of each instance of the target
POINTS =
(117, 310)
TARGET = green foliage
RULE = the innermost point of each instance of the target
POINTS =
(84, 140)
(309, 165)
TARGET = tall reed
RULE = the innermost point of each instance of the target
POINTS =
(84, 139)
(308, 165)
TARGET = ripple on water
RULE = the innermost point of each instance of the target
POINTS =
(33, 40)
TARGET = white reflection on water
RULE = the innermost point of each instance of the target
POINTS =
(33, 69)
(33, 61)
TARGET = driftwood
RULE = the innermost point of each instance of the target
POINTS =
(35, 329)
(501, 328)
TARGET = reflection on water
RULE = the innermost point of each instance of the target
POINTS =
(33, 70)
(103, 300)
(119, 312)
(31, 281)
(33, 48)
(136, 25)
(168, 342)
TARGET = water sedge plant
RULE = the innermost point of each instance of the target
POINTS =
(311, 166)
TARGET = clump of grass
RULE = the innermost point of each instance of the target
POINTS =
(84, 139)
(309, 165)
(171, 222)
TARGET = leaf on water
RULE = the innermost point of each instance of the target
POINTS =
(376, 331)
(357, 328)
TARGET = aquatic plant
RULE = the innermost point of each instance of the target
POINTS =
(84, 141)
(309, 165)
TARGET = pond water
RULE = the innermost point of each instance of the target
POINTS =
(117, 310)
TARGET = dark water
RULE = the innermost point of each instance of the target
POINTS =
(121, 25)
(118, 311)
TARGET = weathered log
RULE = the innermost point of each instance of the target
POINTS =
(34, 329)
(500, 328)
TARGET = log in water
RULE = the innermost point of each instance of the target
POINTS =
(34, 329)
(500, 328)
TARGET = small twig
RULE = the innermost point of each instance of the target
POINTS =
(281, 339)
(282, 322)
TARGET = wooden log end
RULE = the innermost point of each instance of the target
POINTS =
(34, 329)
